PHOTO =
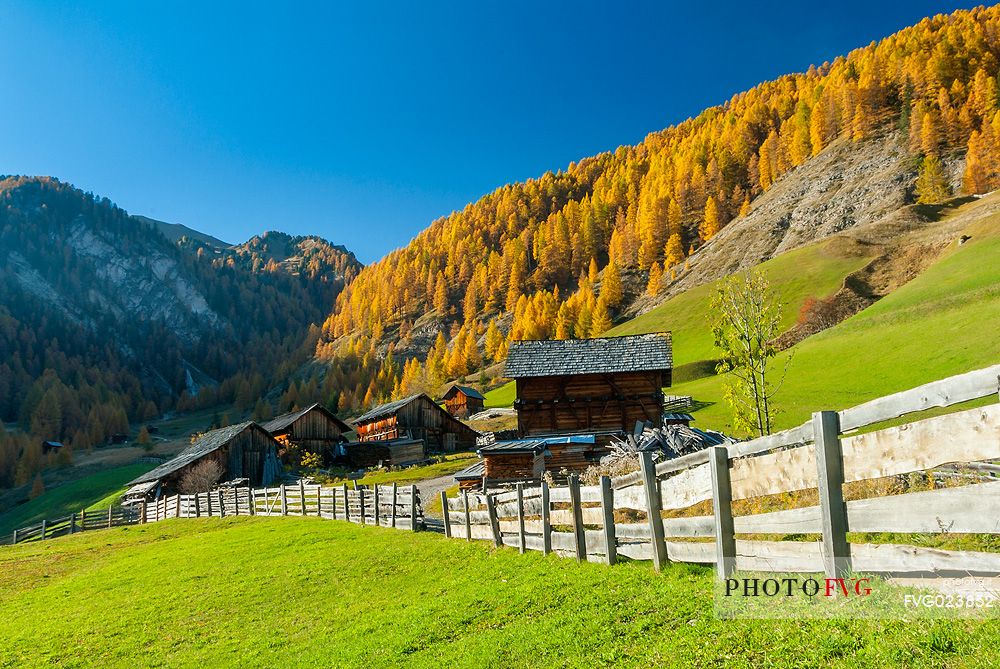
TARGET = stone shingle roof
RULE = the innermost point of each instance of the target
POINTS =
(387, 409)
(282, 423)
(465, 390)
(209, 442)
(603, 355)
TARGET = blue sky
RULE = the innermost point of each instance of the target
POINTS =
(364, 122)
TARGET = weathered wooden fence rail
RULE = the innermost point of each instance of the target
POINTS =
(387, 506)
(625, 516)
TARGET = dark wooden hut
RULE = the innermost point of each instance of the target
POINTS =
(416, 417)
(242, 451)
(509, 461)
(589, 385)
(388, 452)
(313, 429)
(471, 478)
(51, 447)
(462, 401)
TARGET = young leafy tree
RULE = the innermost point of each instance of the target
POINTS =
(747, 320)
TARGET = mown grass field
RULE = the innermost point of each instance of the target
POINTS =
(97, 491)
(302, 592)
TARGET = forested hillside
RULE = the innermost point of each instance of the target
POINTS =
(565, 254)
(104, 321)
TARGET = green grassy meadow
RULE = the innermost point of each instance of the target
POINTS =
(97, 491)
(304, 592)
(452, 463)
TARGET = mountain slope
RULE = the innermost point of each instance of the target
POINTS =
(104, 320)
(784, 164)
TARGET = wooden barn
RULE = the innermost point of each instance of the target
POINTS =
(462, 401)
(245, 451)
(389, 452)
(314, 429)
(589, 385)
(416, 417)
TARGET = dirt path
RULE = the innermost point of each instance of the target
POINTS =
(430, 489)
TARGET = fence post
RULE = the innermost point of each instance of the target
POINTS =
(302, 497)
(468, 515)
(579, 536)
(395, 499)
(72, 523)
(830, 470)
(413, 508)
(253, 500)
(197, 505)
(142, 502)
(546, 521)
(15, 538)
(520, 518)
(653, 507)
(376, 502)
(444, 513)
(722, 508)
(608, 509)
(347, 506)
(222, 504)
(491, 511)
(177, 505)
(284, 500)
(43, 530)
(142, 513)
(83, 520)
(319, 500)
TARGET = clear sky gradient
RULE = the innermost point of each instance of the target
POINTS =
(363, 122)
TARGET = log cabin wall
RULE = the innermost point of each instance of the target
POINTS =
(251, 454)
(499, 466)
(588, 402)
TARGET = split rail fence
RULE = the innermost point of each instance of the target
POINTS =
(625, 516)
(386, 505)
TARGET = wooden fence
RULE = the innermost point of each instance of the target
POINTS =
(626, 516)
(387, 506)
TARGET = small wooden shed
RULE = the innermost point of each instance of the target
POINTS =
(245, 451)
(589, 385)
(471, 478)
(51, 447)
(390, 452)
(314, 429)
(416, 417)
(509, 461)
(463, 401)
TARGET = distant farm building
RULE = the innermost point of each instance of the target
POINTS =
(602, 385)
(51, 447)
(244, 451)
(313, 429)
(416, 417)
(462, 401)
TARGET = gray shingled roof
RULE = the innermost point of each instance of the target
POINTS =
(465, 390)
(475, 471)
(209, 442)
(282, 422)
(603, 355)
(386, 409)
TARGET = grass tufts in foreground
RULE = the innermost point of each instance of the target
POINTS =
(305, 592)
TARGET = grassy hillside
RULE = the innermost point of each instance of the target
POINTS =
(944, 322)
(304, 592)
(97, 491)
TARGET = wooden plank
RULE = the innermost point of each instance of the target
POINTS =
(608, 523)
(830, 474)
(953, 390)
(413, 509)
(653, 507)
(284, 500)
(494, 525)
(347, 505)
(520, 517)
(376, 504)
(546, 520)
(361, 501)
(967, 436)
(468, 514)
(722, 508)
(444, 513)
(395, 501)
(577, 508)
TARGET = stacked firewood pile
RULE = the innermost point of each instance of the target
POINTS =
(667, 442)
